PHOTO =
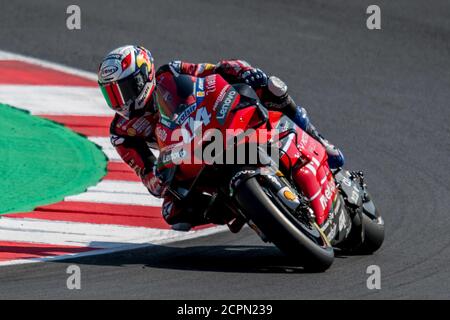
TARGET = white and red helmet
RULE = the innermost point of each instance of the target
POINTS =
(126, 77)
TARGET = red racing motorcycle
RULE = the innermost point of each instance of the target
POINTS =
(289, 195)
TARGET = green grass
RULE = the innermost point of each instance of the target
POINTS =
(41, 162)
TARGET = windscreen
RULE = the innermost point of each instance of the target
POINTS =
(174, 95)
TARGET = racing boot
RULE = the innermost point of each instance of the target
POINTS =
(277, 97)
(335, 157)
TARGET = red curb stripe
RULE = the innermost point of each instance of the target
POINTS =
(98, 213)
(93, 126)
(16, 72)
(122, 176)
(24, 250)
(120, 171)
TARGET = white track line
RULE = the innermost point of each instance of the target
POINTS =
(181, 236)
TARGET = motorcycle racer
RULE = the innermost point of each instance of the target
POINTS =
(128, 81)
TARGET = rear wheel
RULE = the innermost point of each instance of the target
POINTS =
(373, 226)
(299, 239)
(367, 233)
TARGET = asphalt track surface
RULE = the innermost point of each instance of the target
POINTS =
(382, 96)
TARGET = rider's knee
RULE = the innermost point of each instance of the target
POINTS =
(301, 118)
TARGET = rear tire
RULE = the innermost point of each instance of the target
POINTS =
(373, 234)
(286, 232)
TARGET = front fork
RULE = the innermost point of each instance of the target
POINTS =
(273, 179)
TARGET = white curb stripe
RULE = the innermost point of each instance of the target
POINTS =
(109, 150)
(117, 186)
(55, 100)
(116, 198)
(79, 234)
(5, 55)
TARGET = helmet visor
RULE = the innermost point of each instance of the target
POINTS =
(120, 94)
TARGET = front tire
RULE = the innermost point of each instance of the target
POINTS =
(289, 234)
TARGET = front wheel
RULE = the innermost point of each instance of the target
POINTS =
(299, 239)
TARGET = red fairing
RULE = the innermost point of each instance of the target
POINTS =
(315, 178)
(207, 111)
(143, 127)
(311, 172)
(208, 102)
